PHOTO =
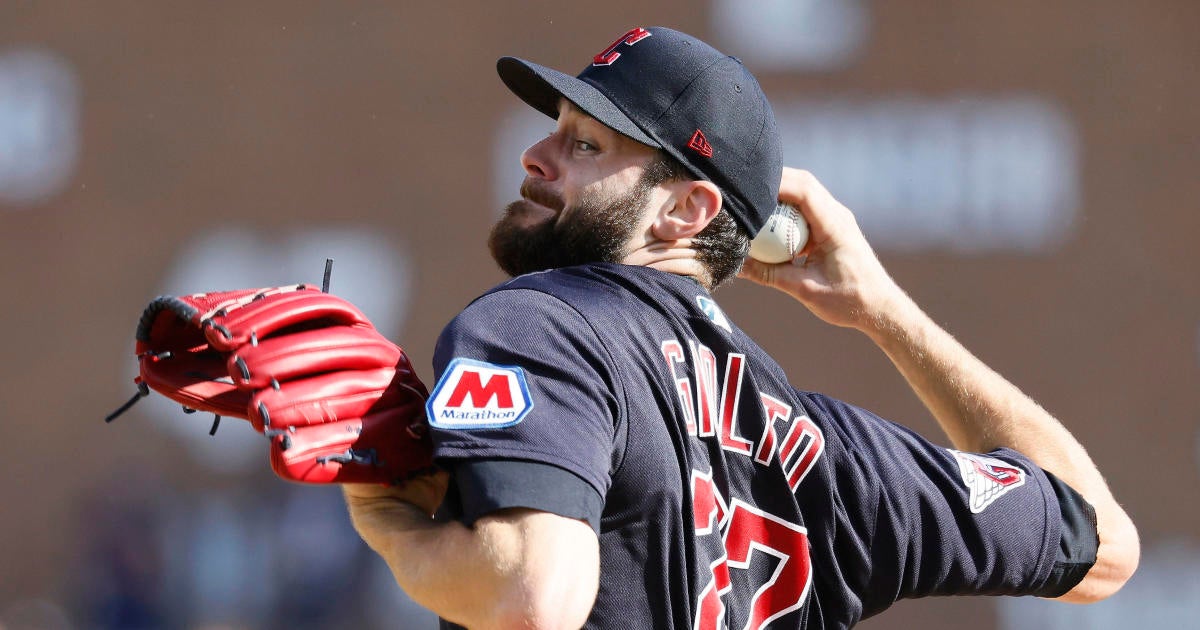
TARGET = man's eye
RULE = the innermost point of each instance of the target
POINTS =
(584, 145)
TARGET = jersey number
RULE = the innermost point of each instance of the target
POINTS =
(746, 529)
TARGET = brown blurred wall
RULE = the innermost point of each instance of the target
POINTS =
(281, 114)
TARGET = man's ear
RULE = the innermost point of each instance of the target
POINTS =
(696, 202)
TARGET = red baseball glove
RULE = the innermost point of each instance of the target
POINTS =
(339, 402)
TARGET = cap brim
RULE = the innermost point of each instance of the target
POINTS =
(541, 87)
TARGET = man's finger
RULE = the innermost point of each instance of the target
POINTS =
(757, 272)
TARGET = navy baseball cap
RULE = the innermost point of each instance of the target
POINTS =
(670, 90)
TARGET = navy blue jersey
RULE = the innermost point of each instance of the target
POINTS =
(722, 495)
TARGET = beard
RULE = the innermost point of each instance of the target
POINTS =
(596, 229)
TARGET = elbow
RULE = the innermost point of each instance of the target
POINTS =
(1116, 561)
(532, 619)
(511, 607)
(1126, 553)
(539, 611)
(546, 602)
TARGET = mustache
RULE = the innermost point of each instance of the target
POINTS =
(539, 193)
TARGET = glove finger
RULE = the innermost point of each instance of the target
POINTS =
(196, 380)
(279, 313)
(385, 447)
(161, 330)
(195, 309)
(332, 397)
(311, 352)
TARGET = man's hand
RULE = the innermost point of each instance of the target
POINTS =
(837, 276)
(424, 492)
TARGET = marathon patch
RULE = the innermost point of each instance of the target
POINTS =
(478, 395)
(987, 478)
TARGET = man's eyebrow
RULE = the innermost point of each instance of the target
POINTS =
(579, 117)
(586, 119)
(571, 106)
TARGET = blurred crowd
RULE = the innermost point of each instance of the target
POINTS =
(264, 554)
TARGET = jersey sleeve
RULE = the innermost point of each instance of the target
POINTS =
(522, 377)
(929, 520)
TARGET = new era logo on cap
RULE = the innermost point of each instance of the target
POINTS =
(700, 144)
(478, 395)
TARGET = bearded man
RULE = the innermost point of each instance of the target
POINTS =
(617, 453)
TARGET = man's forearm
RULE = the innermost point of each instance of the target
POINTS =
(518, 568)
(977, 408)
(980, 410)
(417, 550)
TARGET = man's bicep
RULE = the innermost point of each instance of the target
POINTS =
(523, 416)
(558, 574)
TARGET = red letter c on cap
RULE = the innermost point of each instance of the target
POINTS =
(610, 54)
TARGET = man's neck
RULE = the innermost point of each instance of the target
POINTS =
(677, 258)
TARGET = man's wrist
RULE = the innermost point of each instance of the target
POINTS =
(890, 318)
(424, 492)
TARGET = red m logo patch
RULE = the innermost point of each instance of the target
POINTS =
(471, 385)
(477, 395)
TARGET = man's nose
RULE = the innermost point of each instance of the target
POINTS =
(538, 159)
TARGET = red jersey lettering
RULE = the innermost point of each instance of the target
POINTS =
(775, 409)
(673, 353)
(706, 388)
(735, 368)
(810, 443)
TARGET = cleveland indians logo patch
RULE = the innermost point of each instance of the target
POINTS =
(478, 395)
(987, 478)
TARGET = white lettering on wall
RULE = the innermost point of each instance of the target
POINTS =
(963, 174)
(819, 35)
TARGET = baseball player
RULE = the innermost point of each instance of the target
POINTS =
(612, 450)
(618, 453)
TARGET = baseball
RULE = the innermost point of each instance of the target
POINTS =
(782, 237)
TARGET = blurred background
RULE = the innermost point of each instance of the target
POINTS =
(1027, 170)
